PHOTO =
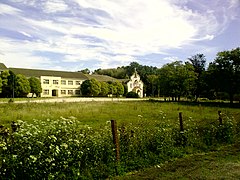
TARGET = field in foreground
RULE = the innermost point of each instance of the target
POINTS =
(74, 140)
(221, 164)
(98, 113)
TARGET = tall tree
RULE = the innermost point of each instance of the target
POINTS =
(104, 89)
(226, 71)
(91, 87)
(198, 61)
(177, 79)
(35, 86)
(8, 83)
(119, 88)
(22, 86)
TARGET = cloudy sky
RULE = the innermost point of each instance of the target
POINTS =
(76, 34)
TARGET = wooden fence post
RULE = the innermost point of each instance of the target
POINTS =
(181, 122)
(115, 139)
(220, 117)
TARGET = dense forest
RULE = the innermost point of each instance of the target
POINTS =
(192, 79)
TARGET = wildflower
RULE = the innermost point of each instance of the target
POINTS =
(34, 159)
(140, 116)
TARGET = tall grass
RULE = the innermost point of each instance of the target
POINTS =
(73, 140)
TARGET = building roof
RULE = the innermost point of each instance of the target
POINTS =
(100, 78)
(38, 73)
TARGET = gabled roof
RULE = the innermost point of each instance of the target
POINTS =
(38, 73)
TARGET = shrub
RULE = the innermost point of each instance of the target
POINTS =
(132, 95)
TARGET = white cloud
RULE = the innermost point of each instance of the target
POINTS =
(6, 9)
(116, 31)
(52, 6)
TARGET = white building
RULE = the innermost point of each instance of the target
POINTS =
(55, 83)
(135, 84)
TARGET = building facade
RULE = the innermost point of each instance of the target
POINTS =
(135, 84)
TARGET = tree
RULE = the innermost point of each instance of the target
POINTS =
(8, 82)
(198, 61)
(104, 89)
(22, 86)
(153, 81)
(177, 79)
(225, 70)
(35, 86)
(85, 71)
(91, 87)
(119, 88)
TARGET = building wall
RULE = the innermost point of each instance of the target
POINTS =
(60, 87)
(135, 84)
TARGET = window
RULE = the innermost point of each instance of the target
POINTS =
(55, 81)
(77, 92)
(70, 82)
(78, 82)
(63, 82)
(46, 92)
(70, 91)
(130, 85)
(45, 81)
(63, 91)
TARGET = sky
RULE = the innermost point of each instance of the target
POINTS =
(72, 35)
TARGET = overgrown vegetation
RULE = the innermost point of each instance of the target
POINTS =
(59, 144)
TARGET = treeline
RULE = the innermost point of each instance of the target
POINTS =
(192, 79)
(93, 87)
(12, 85)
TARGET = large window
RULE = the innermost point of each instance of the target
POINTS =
(45, 81)
(46, 91)
(63, 91)
(63, 82)
(55, 81)
(78, 82)
(77, 92)
(70, 92)
(70, 82)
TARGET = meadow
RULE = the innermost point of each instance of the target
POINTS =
(74, 140)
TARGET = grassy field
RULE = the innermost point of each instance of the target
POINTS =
(74, 140)
(98, 113)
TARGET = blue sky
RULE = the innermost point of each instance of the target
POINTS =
(76, 34)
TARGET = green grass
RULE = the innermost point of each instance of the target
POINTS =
(221, 164)
(98, 113)
(74, 139)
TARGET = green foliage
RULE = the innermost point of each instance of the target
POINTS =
(22, 86)
(132, 95)
(177, 79)
(91, 87)
(224, 72)
(35, 86)
(119, 88)
(104, 89)
(85, 71)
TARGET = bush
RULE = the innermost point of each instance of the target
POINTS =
(132, 95)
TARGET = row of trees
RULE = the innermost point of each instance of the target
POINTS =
(12, 85)
(93, 87)
(192, 79)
